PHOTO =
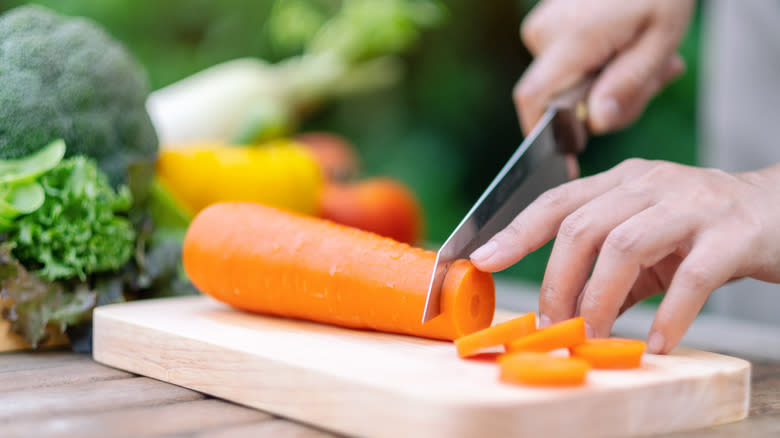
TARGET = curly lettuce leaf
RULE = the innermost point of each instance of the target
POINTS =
(81, 227)
(38, 307)
(33, 165)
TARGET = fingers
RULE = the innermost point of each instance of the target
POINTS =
(652, 281)
(631, 79)
(541, 25)
(538, 223)
(705, 268)
(641, 241)
(579, 238)
(565, 62)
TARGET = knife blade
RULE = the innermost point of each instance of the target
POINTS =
(538, 164)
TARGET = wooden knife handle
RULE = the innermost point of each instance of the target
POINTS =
(570, 125)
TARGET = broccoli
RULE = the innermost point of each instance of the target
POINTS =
(65, 77)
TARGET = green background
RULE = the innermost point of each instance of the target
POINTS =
(445, 130)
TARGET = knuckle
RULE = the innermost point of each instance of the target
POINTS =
(592, 307)
(696, 277)
(550, 298)
(554, 197)
(525, 94)
(591, 36)
(623, 241)
(576, 226)
(662, 171)
(530, 32)
(631, 165)
(513, 232)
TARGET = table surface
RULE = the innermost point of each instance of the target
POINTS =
(57, 393)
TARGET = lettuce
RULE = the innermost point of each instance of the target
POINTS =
(80, 229)
(39, 307)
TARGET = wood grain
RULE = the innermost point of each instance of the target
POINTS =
(15, 361)
(276, 428)
(89, 397)
(75, 373)
(374, 384)
(188, 418)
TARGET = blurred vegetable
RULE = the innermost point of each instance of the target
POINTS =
(30, 167)
(19, 192)
(73, 227)
(362, 29)
(380, 205)
(281, 174)
(249, 101)
(336, 156)
(37, 308)
(67, 78)
(165, 209)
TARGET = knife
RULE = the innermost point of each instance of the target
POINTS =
(538, 164)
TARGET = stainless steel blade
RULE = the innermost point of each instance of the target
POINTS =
(537, 165)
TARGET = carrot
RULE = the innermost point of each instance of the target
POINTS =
(266, 260)
(499, 334)
(564, 334)
(542, 369)
(610, 353)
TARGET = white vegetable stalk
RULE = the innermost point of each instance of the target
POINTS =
(249, 99)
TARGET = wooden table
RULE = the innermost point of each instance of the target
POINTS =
(57, 394)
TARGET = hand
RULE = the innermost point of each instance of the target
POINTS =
(650, 227)
(634, 41)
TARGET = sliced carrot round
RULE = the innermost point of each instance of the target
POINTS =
(499, 334)
(564, 334)
(542, 369)
(610, 353)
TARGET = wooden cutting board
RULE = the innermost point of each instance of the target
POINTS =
(374, 384)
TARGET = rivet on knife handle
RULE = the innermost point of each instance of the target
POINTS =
(570, 127)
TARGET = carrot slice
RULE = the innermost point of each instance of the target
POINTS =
(564, 334)
(499, 334)
(269, 261)
(542, 369)
(610, 353)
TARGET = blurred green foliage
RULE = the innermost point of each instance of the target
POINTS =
(445, 130)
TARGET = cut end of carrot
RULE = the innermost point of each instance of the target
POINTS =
(498, 335)
(470, 295)
(564, 334)
(610, 353)
(542, 369)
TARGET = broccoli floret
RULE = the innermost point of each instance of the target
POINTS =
(65, 77)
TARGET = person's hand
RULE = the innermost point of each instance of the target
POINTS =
(634, 41)
(650, 227)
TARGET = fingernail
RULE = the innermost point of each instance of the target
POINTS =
(588, 331)
(605, 113)
(544, 321)
(484, 252)
(655, 343)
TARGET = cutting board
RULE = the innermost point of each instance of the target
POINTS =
(374, 384)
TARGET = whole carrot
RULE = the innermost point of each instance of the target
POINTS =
(265, 260)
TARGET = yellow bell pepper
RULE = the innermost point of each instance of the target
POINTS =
(281, 173)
